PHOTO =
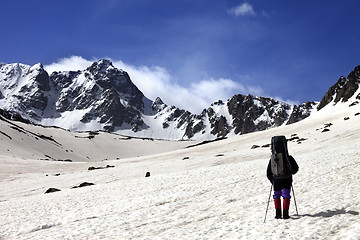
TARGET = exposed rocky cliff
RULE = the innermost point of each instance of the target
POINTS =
(343, 90)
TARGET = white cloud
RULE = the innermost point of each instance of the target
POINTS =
(73, 63)
(244, 9)
(156, 81)
(221, 88)
(288, 101)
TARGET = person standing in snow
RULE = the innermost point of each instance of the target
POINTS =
(280, 169)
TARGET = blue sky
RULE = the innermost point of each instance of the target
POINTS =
(193, 52)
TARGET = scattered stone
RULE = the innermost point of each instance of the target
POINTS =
(147, 174)
(51, 190)
(301, 140)
(346, 118)
(185, 158)
(49, 157)
(293, 138)
(266, 145)
(353, 104)
(64, 160)
(325, 128)
(84, 184)
(219, 155)
(356, 114)
(96, 168)
(255, 146)
(231, 200)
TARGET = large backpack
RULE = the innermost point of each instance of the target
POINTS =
(280, 163)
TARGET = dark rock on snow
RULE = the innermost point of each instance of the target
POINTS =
(51, 190)
(84, 184)
(96, 168)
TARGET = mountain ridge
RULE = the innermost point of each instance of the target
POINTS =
(103, 97)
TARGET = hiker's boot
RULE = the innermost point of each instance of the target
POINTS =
(286, 205)
(286, 214)
(278, 214)
(277, 202)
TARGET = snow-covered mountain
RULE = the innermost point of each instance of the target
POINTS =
(103, 97)
(217, 190)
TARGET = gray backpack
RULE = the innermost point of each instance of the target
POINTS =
(280, 163)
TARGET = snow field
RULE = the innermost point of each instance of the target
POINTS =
(220, 202)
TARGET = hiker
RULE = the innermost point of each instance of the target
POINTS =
(280, 169)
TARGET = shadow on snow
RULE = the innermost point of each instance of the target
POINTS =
(327, 214)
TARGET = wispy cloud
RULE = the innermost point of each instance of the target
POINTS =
(244, 9)
(156, 81)
(73, 63)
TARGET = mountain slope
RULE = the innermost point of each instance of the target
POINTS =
(25, 141)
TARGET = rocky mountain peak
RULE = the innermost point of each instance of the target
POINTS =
(343, 89)
(40, 76)
(101, 66)
(158, 105)
(37, 66)
(107, 76)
